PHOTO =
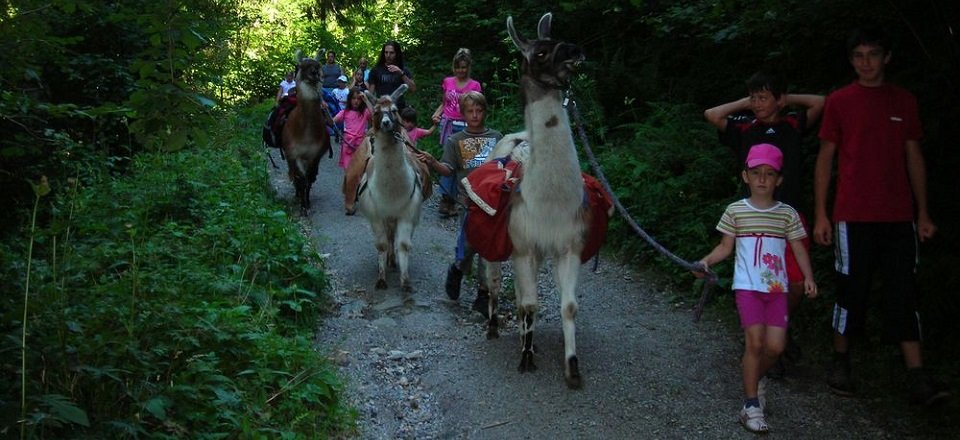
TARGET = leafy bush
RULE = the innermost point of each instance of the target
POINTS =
(675, 179)
(178, 302)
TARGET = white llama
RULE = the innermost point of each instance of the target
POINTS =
(392, 194)
(547, 216)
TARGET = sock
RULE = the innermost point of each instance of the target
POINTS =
(751, 401)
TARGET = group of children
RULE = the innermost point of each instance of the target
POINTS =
(881, 198)
(879, 212)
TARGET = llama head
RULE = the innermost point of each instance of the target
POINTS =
(546, 61)
(386, 117)
(308, 69)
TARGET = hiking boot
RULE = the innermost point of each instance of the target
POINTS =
(482, 303)
(447, 207)
(838, 378)
(777, 371)
(924, 390)
(752, 419)
(454, 276)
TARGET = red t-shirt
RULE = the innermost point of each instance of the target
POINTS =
(871, 126)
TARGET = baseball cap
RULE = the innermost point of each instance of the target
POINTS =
(765, 154)
(342, 78)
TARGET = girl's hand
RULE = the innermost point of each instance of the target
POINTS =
(810, 288)
(702, 264)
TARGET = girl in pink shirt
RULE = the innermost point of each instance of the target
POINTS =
(355, 118)
(408, 116)
(451, 121)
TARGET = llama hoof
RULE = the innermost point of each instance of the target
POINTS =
(492, 333)
(526, 362)
(573, 378)
(381, 284)
(406, 288)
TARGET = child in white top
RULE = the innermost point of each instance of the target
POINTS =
(759, 228)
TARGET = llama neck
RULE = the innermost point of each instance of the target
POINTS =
(308, 99)
(391, 162)
(552, 151)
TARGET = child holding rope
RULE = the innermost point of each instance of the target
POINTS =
(758, 119)
(759, 228)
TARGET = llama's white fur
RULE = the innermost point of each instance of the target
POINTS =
(393, 196)
(547, 217)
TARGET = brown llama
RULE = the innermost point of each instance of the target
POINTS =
(548, 217)
(305, 138)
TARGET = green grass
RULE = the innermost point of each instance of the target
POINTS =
(176, 301)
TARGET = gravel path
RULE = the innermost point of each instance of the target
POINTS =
(418, 366)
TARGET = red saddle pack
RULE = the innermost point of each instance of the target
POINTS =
(487, 223)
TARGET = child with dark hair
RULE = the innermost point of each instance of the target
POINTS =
(408, 117)
(355, 118)
(757, 119)
(758, 228)
(879, 214)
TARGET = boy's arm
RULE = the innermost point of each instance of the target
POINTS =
(438, 112)
(431, 130)
(822, 232)
(917, 173)
(803, 260)
(718, 115)
(813, 103)
(434, 164)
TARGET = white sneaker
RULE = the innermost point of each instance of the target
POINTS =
(762, 393)
(752, 419)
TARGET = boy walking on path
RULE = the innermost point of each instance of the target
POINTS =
(879, 211)
(758, 228)
(463, 152)
(767, 98)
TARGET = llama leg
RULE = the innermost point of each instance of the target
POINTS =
(493, 282)
(566, 273)
(525, 271)
(404, 243)
(383, 246)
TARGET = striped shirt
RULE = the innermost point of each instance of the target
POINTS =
(761, 242)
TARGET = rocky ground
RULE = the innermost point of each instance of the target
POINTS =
(418, 366)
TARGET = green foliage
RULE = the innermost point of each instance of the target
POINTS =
(675, 179)
(177, 302)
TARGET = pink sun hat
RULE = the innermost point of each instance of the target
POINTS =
(765, 154)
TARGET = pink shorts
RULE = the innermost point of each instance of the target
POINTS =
(794, 275)
(768, 309)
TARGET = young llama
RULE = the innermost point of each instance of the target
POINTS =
(393, 190)
(548, 218)
(305, 137)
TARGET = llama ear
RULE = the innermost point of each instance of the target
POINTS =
(369, 99)
(298, 56)
(543, 27)
(399, 92)
(521, 44)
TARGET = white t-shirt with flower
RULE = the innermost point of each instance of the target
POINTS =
(761, 243)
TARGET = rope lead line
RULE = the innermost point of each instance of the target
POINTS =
(710, 279)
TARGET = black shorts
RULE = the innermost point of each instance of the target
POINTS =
(863, 251)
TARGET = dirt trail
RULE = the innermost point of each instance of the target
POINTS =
(418, 365)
